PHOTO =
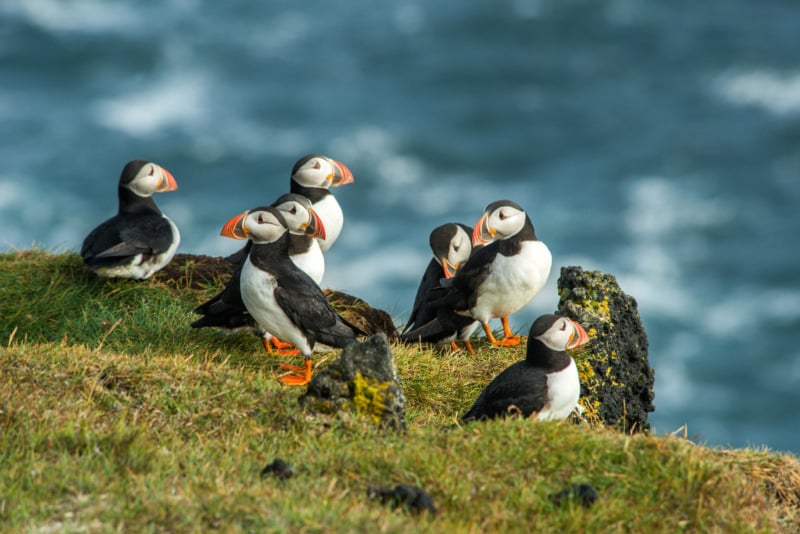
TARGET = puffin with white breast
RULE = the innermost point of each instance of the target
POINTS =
(545, 385)
(282, 299)
(139, 240)
(227, 309)
(503, 275)
(312, 177)
(451, 246)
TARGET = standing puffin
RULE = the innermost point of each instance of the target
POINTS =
(504, 274)
(227, 309)
(544, 385)
(139, 240)
(451, 246)
(281, 298)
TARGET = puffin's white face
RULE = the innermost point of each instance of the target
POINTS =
(316, 172)
(263, 227)
(460, 248)
(505, 221)
(563, 334)
(150, 179)
(296, 215)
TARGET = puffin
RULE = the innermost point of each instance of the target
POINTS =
(282, 299)
(227, 309)
(139, 240)
(508, 269)
(312, 177)
(545, 385)
(451, 246)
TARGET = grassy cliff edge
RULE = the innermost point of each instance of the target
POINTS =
(115, 415)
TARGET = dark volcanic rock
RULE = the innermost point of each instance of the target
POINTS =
(363, 380)
(616, 377)
(414, 499)
(357, 312)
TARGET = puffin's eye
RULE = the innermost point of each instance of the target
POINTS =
(456, 247)
(293, 211)
(502, 215)
(152, 171)
(563, 325)
(317, 164)
(260, 219)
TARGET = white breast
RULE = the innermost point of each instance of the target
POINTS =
(258, 295)
(311, 262)
(563, 392)
(513, 281)
(332, 217)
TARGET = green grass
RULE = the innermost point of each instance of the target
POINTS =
(115, 415)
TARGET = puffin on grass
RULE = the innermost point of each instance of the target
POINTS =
(545, 385)
(451, 246)
(282, 299)
(227, 309)
(139, 240)
(503, 275)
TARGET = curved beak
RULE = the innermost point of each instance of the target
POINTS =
(482, 233)
(341, 174)
(314, 226)
(448, 268)
(236, 227)
(578, 336)
(167, 182)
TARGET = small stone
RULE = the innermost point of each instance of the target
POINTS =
(278, 469)
(584, 494)
(414, 499)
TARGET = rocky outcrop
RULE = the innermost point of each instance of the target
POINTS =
(616, 377)
(362, 380)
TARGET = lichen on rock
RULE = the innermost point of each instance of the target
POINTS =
(362, 380)
(616, 377)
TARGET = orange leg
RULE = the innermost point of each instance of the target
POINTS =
(282, 349)
(301, 376)
(468, 346)
(510, 338)
(454, 346)
(506, 342)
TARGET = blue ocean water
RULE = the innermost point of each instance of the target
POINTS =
(659, 141)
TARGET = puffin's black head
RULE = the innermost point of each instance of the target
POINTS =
(316, 170)
(557, 333)
(500, 220)
(451, 247)
(145, 178)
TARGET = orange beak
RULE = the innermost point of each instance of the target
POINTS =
(482, 233)
(341, 174)
(448, 268)
(236, 227)
(167, 182)
(314, 227)
(578, 336)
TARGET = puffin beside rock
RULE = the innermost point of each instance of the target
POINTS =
(503, 275)
(282, 299)
(139, 240)
(545, 385)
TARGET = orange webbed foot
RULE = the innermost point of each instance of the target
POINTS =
(301, 374)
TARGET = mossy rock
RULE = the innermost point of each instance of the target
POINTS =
(363, 380)
(616, 377)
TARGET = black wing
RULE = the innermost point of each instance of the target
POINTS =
(520, 387)
(421, 313)
(305, 304)
(226, 309)
(118, 239)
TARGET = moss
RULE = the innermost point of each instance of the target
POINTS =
(369, 397)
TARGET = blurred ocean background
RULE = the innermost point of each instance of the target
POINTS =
(659, 141)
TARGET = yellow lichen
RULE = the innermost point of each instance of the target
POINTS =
(369, 397)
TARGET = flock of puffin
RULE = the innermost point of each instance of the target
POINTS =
(476, 274)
